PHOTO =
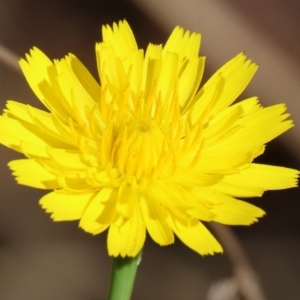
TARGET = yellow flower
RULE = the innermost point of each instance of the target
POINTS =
(145, 149)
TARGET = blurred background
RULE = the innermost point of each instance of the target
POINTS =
(41, 260)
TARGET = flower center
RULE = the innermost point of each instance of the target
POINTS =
(138, 149)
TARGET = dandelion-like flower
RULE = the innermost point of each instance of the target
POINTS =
(145, 149)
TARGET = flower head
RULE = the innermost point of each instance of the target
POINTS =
(145, 149)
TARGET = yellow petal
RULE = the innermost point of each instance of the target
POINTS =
(189, 82)
(180, 197)
(136, 62)
(183, 43)
(151, 68)
(204, 101)
(71, 159)
(127, 198)
(222, 163)
(100, 212)
(235, 212)
(86, 85)
(196, 236)
(36, 69)
(226, 85)
(166, 82)
(227, 209)
(33, 151)
(196, 178)
(111, 70)
(154, 216)
(126, 237)
(237, 190)
(79, 89)
(74, 184)
(29, 172)
(27, 114)
(264, 177)
(13, 132)
(41, 75)
(121, 34)
(237, 72)
(64, 206)
(19, 111)
(250, 135)
(222, 123)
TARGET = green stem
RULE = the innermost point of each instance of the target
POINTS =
(122, 277)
